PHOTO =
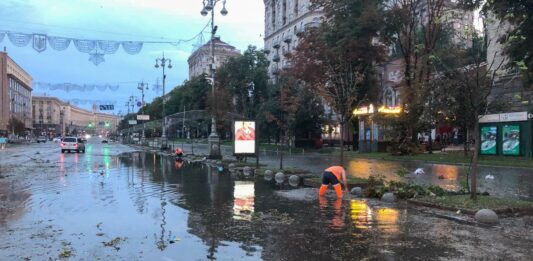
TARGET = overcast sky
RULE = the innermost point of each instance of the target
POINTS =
(121, 20)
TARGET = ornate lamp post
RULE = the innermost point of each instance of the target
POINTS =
(214, 140)
(162, 62)
(142, 87)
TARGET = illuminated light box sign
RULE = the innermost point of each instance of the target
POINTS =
(511, 140)
(488, 140)
(365, 110)
(244, 137)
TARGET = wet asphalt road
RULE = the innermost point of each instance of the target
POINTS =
(106, 205)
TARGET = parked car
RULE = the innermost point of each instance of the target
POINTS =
(105, 140)
(72, 144)
(57, 139)
(41, 139)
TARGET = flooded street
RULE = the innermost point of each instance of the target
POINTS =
(507, 182)
(113, 203)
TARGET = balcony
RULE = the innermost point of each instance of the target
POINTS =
(286, 52)
(274, 70)
(286, 65)
(275, 45)
(276, 58)
(287, 39)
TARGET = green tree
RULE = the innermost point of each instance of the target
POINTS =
(518, 39)
(336, 60)
(245, 77)
(418, 40)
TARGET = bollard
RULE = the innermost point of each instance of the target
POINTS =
(294, 180)
(280, 177)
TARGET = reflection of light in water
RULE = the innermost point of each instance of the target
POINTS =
(88, 156)
(449, 175)
(360, 168)
(361, 214)
(363, 217)
(387, 220)
(106, 158)
(243, 203)
(447, 171)
(365, 168)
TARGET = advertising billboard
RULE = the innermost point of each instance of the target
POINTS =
(511, 140)
(244, 136)
(488, 140)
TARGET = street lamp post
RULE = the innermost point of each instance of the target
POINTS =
(162, 62)
(142, 87)
(214, 140)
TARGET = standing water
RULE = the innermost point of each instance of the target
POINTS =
(141, 206)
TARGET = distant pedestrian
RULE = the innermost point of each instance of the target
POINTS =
(334, 175)
(3, 141)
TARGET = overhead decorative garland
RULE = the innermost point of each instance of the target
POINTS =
(91, 102)
(68, 87)
(95, 48)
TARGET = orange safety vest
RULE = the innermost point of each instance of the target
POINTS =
(337, 171)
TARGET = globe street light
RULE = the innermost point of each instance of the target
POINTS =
(162, 62)
(209, 6)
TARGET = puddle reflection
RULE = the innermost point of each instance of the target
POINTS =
(243, 203)
(385, 220)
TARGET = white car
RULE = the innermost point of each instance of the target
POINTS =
(72, 144)
(57, 139)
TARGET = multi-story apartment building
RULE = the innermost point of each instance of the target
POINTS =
(509, 90)
(48, 115)
(200, 60)
(54, 117)
(15, 94)
(285, 20)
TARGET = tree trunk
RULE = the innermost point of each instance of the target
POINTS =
(473, 173)
(342, 144)
(466, 142)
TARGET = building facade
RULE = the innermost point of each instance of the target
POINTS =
(200, 60)
(15, 95)
(53, 117)
(285, 20)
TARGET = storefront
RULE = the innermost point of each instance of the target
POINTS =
(372, 135)
(506, 134)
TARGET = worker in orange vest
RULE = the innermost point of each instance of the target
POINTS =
(179, 152)
(334, 175)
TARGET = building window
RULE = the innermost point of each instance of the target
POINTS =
(284, 12)
(273, 6)
(296, 7)
(390, 98)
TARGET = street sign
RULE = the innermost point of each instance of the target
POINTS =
(143, 117)
(132, 122)
(107, 107)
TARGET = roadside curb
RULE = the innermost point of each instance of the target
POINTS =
(526, 211)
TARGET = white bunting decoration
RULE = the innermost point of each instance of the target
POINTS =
(84, 46)
(58, 43)
(19, 39)
(132, 47)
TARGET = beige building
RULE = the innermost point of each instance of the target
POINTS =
(285, 20)
(54, 117)
(15, 94)
(200, 60)
(509, 88)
